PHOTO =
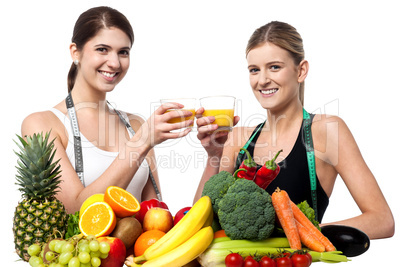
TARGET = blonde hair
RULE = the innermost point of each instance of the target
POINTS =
(283, 35)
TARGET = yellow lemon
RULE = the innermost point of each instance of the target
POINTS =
(92, 199)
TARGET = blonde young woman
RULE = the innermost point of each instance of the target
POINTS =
(116, 147)
(277, 71)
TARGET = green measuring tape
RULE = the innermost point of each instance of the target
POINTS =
(308, 140)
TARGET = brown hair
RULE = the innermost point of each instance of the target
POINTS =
(89, 24)
(283, 35)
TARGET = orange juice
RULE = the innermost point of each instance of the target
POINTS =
(223, 117)
(181, 119)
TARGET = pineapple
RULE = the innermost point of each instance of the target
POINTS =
(39, 216)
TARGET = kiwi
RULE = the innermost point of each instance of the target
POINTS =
(127, 229)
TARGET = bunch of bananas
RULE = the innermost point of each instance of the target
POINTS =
(184, 242)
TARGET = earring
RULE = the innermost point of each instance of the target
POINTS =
(76, 62)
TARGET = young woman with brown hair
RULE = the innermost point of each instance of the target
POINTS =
(98, 145)
(277, 71)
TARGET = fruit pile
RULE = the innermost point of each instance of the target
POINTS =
(181, 244)
(110, 231)
(109, 226)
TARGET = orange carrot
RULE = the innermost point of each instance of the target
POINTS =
(283, 209)
(302, 219)
(308, 239)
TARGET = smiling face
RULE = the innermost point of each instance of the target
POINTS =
(103, 61)
(274, 76)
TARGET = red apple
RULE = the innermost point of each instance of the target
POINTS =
(117, 253)
(180, 214)
(158, 219)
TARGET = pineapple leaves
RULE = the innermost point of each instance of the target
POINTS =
(38, 176)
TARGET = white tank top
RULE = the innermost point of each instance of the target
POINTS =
(96, 160)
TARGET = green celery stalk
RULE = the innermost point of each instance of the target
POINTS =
(273, 242)
(220, 239)
(214, 256)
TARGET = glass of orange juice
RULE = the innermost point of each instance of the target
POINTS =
(189, 105)
(222, 108)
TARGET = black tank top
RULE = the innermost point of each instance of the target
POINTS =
(294, 174)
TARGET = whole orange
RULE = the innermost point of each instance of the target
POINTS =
(145, 240)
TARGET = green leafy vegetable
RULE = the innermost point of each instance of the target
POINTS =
(309, 212)
(72, 225)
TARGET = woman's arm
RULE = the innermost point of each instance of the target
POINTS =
(149, 191)
(344, 155)
(218, 147)
(154, 131)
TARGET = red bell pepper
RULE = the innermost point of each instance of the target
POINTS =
(146, 205)
(249, 167)
(267, 173)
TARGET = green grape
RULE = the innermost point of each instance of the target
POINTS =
(86, 264)
(53, 264)
(75, 239)
(34, 261)
(103, 255)
(34, 250)
(95, 261)
(52, 244)
(84, 248)
(83, 241)
(41, 265)
(94, 245)
(74, 262)
(84, 257)
(95, 254)
(49, 256)
(104, 247)
(91, 237)
(59, 246)
(67, 247)
(65, 257)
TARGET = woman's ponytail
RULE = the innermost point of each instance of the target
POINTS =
(72, 74)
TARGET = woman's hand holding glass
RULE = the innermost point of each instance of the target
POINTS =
(167, 122)
(211, 139)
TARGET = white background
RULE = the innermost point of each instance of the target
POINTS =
(195, 49)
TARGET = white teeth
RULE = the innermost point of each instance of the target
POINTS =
(267, 92)
(107, 74)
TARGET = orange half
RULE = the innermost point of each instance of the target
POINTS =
(123, 203)
(98, 219)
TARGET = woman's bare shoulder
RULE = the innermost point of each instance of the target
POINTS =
(322, 123)
(42, 122)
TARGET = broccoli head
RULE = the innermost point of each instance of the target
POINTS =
(246, 211)
(217, 186)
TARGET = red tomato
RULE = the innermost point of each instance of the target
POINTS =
(234, 260)
(283, 262)
(267, 262)
(300, 260)
(309, 258)
(249, 261)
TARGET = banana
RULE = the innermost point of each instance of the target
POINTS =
(209, 220)
(181, 232)
(186, 252)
